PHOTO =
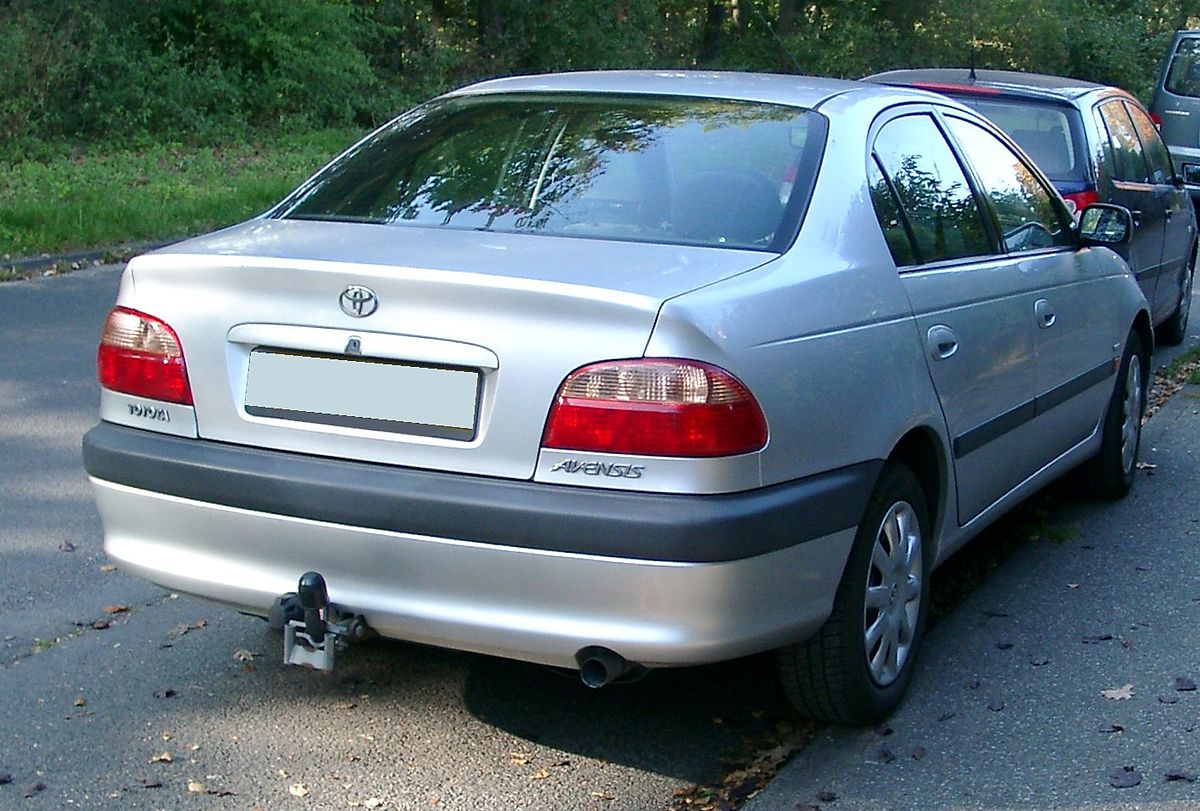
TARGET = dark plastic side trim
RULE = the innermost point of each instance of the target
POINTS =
(644, 526)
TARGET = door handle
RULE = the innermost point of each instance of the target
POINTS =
(1044, 311)
(942, 341)
(1137, 217)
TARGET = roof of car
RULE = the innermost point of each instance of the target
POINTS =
(802, 91)
(1011, 81)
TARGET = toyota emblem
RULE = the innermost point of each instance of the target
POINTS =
(358, 301)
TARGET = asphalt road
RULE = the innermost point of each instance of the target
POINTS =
(181, 704)
(86, 711)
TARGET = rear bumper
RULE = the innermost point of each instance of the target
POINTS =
(517, 569)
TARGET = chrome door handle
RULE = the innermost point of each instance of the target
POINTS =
(942, 341)
(1045, 313)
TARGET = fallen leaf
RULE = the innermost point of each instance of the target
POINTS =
(1118, 693)
(1168, 699)
(101, 625)
(884, 755)
(1125, 777)
(946, 716)
(1072, 586)
(164, 757)
(974, 684)
(994, 615)
(918, 753)
(374, 802)
(108, 567)
(298, 790)
(541, 774)
(1091, 639)
(167, 693)
(1112, 729)
(66, 546)
(80, 702)
(519, 758)
(243, 655)
(150, 782)
(196, 787)
(600, 795)
(1147, 466)
(826, 796)
(1004, 644)
(32, 789)
(1176, 775)
(995, 705)
(116, 608)
(1184, 685)
(5, 779)
(1041, 661)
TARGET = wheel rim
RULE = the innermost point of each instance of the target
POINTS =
(893, 599)
(1131, 427)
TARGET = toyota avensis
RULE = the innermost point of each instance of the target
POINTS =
(616, 371)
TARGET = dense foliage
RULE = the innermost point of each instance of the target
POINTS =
(133, 71)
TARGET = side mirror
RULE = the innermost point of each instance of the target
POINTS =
(1105, 225)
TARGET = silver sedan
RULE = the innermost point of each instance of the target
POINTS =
(617, 371)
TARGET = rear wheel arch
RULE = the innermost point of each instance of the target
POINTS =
(922, 452)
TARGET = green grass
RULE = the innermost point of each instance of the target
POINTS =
(106, 198)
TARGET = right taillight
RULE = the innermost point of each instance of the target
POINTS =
(140, 355)
(1078, 201)
(655, 407)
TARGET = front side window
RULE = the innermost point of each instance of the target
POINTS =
(1183, 77)
(1029, 219)
(671, 170)
(1128, 161)
(932, 192)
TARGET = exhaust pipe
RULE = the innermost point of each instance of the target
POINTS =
(600, 666)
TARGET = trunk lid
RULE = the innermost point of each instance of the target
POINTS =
(519, 311)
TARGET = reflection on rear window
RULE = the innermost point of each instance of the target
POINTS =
(683, 171)
(1183, 77)
(1044, 131)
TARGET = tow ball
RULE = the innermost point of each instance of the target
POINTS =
(313, 629)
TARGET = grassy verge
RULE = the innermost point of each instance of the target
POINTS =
(104, 198)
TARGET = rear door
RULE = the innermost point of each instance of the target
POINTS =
(973, 308)
(1072, 308)
(1125, 179)
(1177, 214)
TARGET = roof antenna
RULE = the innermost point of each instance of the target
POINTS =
(974, 45)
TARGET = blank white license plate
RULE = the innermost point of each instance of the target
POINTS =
(363, 393)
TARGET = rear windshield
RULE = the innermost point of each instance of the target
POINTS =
(680, 171)
(1183, 77)
(1051, 134)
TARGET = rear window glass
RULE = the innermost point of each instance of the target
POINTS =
(682, 171)
(1183, 77)
(1049, 133)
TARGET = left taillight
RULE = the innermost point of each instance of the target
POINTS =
(141, 355)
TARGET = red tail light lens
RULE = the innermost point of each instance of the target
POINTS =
(140, 355)
(1080, 200)
(655, 408)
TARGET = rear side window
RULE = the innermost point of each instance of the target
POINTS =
(670, 170)
(1029, 219)
(1158, 159)
(920, 190)
(1124, 149)
(1051, 134)
(1183, 77)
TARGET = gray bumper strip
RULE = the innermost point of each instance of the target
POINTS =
(642, 526)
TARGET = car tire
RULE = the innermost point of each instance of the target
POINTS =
(844, 673)
(1110, 472)
(1172, 331)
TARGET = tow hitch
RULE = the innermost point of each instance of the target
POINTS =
(313, 629)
